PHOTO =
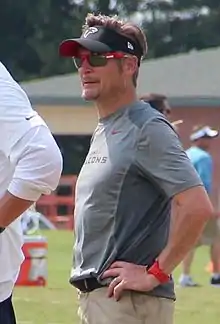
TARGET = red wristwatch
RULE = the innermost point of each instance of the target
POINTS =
(158, 273)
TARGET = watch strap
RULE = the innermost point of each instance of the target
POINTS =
(158, 273)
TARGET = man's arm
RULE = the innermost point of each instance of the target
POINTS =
(11, 207)
(160, 156)
(38, 168)
(176, 176)
(191, 209)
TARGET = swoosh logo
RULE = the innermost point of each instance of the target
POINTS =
(116, 132)
(28, 118)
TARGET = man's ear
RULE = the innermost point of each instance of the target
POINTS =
(131, 65)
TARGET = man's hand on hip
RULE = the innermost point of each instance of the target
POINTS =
(128, 276)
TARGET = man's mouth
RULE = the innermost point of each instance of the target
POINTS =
(88, 83)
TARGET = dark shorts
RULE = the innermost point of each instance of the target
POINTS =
(7, 315)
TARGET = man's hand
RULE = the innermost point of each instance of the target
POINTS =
(128, 276)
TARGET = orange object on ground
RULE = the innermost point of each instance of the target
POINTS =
(33, 270)
(209, 267)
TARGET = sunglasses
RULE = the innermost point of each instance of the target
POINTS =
(97, 60)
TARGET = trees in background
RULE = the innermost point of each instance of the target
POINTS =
(30, 31)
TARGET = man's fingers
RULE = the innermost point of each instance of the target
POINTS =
(112, 286)
(119, 264)
(111, 273)
(118, 290)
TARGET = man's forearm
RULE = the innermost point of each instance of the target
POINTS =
(185, 229)
(11, 207)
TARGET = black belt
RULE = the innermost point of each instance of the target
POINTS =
(86, 285)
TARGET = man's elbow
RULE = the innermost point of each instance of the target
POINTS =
(196, 202)
(203, 210)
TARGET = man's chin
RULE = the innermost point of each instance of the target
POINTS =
(89, 96)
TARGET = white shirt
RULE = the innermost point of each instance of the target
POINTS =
(30, 165)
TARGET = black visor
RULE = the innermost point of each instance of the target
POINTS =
(100, 39)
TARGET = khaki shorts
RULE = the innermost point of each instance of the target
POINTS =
(133, 308)
(211, 233)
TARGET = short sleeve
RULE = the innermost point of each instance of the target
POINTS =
(161, 158)
(204, 169)
(38, 164)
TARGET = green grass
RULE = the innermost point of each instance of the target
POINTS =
(57, 303)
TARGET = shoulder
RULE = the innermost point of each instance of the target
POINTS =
(157, 125)
(159, 136)
(12, 94)
(142, 113)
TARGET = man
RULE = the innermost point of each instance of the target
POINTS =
(135, 168)
(202, 138)
(160, 103)
(30, 164)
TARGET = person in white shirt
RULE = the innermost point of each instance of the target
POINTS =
(30, 165)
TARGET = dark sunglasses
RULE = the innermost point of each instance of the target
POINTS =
(97, 60)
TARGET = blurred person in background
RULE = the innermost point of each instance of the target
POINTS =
(31, 165)
(202, 139)
(135, 173)
(160, 103)
(30, 221)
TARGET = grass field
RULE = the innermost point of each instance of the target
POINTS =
(56, 303)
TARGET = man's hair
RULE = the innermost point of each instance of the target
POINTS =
(127, 29)
(157, 101)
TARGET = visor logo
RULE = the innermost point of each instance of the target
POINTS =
(130, 46)
(91, 30)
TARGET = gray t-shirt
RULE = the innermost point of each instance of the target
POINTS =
(134, 167)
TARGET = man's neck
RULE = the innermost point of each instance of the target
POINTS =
(113, 104)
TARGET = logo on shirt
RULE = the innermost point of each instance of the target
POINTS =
(115, 131)
(28, 118)
(96, 159)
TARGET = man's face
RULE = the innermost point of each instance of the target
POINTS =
(167, 109)
(103, 82)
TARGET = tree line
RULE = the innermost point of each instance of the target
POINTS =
(30, 31)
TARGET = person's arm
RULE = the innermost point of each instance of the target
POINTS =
(37, 172)
(161, 157)
(190, 211)
(176, 176)
(11, 207)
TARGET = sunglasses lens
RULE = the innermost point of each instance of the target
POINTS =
(97, 60)
(93, 60)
